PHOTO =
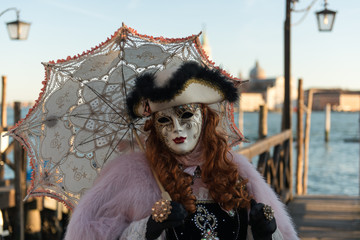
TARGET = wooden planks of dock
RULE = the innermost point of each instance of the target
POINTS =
(326, 217)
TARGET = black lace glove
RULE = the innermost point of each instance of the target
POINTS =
(176, 218)
(262, 227)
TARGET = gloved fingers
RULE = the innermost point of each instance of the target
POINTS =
(165, 214)
(178, 212)
(257, 212)
(171, 224)
(265, 229)
(155, 228)
(261, 219)
(252, 203)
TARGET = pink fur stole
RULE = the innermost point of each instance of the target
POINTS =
(125, 191)
(261, 192)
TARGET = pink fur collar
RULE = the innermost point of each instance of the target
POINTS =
(125, 191)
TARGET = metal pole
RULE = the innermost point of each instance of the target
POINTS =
(287, 73)
(286, 117)
(9, 9)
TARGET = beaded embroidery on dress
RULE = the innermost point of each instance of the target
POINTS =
(206, 222)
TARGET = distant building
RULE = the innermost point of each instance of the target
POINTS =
(250, 102)
(260, 90)
(340, 100)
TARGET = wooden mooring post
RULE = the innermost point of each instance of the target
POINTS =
(3, 102)
(303, 145)
(263, 131)
(327, 121)
(307, 139)
(3, 123)
(20, 181)
(241, 119)
(300, 139)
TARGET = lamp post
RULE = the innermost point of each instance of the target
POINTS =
(286, 124)
(325, 18)
(18, 30)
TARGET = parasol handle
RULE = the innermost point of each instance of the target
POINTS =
(164, 194)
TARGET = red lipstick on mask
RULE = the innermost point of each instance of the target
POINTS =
(179, 140)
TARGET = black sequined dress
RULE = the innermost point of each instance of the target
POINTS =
(211, 222)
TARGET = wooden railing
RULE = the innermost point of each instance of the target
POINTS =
(274, 161)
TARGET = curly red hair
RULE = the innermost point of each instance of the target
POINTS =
(218, 172)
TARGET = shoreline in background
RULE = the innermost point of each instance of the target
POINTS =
(333, 166)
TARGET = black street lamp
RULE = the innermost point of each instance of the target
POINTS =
(18, 30)
(325, 22)
(325, 19)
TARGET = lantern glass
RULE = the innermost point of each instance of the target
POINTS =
(18, 30)
(325, 19)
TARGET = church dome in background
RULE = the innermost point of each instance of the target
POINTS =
(257, 72)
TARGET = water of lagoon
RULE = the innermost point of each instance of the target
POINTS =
(334, 165)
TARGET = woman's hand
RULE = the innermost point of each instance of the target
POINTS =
(175, 218)
(262, 221)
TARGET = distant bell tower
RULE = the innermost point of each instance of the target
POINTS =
(205, 43)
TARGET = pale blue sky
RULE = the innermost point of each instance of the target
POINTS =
(240, 32)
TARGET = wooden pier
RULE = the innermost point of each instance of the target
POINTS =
(319, 217)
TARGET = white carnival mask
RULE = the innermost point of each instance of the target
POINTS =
(179, 127)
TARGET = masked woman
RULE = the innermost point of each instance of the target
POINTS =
(216, 194)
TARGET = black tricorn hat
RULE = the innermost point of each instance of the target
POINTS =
(188, 82)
